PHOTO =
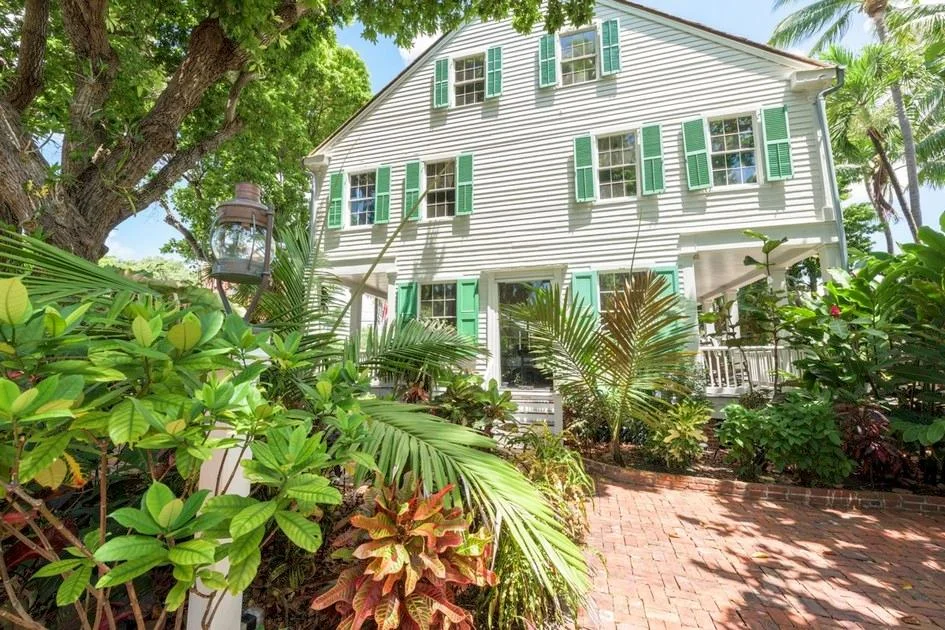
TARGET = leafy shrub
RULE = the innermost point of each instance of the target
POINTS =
(466, 402)
(754, 399)
(519, 600)
(741, 433)
(868, 441)
(677, 439)
(587, 420)
(412, 556)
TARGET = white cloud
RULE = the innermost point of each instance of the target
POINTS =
(420, 45)
(118, 250)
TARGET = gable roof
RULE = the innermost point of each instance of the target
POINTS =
(654, 13)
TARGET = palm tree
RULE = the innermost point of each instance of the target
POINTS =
(830, 20)
(626, 363)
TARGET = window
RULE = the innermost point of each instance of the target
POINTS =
(438, 302)
(610, 284)
(469, 80)
(617, 165)
(733, 151)
(362, 198)
(441, 189)
(579, 57)
(517, 362)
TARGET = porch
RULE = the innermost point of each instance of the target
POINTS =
(731, 371)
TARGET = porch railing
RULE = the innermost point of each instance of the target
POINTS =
(728, 369)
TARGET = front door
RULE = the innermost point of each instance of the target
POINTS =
(516, 362)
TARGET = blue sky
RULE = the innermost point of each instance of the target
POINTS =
(143, 235)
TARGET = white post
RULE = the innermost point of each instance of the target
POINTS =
(687, 275)
(732, 298)
(778, 278)
(354, 314)
(829, 259)
(214, 475)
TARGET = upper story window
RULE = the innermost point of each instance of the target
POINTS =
(441, 189)
(361, 195)
(617, 165)
(733, 151)
(578, 57)
(438, 302)
(469, 84)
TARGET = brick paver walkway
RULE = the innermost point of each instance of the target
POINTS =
(680, 558)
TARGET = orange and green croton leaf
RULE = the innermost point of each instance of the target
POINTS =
(411, 558)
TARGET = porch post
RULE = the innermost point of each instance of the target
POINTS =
(731, 296)
(778, 278)
(391, 311)
(354, 313)
(829, 259)
(690, 294)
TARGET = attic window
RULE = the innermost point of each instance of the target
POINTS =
(579, 57)
(470, 80)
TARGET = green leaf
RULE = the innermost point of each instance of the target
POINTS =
(192, 552)
(170, 513)
(300, 530)
(14, 301)
(313, 489)
(935, 433)
(364, 459)
(185, 334)
(177, 596)
(228, 504)
(46, 451)
(213, 579)
(73, 586)
(191, 507)
(242, 574)
(141, 329)
(130, 570)
(128, 547)
(136, 519)
(58, 567)
(157, 496)
(241, 547)
(8, 393)
(251, 517)
(126, 423)
(53, 475)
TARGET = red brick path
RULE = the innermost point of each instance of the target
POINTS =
(685, 559)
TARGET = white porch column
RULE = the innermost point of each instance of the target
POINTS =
(830, 258)
(778, 278)
(731, 297)
(354, 313)
(391, 298)
(690, 294)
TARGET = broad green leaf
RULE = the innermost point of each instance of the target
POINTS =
(185, 334)
(315, 492)
(213, 579)
(8, 393)
(128, 547)
(251, 517)
(58, 567)
(177, 596)
(242, 574)
(73, 586)
(157, 496)
(130, 570)
(53, 322)
(14, 301)
(191, 507)
(136, 519)
(241, 547)
(142, 331)
(300, 530)
(53, 475)
(45, 452)
(24, 400)
(126, 424)
(169, 513)
(363, 459)
(228, 504)
(192, 552)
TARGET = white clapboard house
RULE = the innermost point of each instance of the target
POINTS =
(640, 139)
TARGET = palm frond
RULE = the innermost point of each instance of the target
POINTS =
(55, 275)
(403, 439)
(830, 17)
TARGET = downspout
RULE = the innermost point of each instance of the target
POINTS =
(821, 108)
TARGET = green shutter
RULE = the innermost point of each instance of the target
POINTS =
(672, 278)
(584, 189)
(585, 290)
(441, 83)
(610, 47)
(777, 133)
(494, 72)
(464, 184)
(412, 191)
(697, 154)
(406, 301)
(651, 147)
(467, 308)
(547, 61)
(336, 189)
(382, 195)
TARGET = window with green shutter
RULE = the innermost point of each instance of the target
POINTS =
(672, 278)
(610, 47)
(441, 83)
(406, 301)
(382, 195)
(547, 61)
(651, 148)
(584, 290)
(697, 154)
(584, 189)
(336, 189)
(494, 72)
(412, 190)
(464, 184)
(467, 308)
(777, 133)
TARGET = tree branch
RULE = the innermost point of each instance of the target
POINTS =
(32, 55)
(178, 225)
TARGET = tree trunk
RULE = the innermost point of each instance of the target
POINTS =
(877, 140)
(905, 126)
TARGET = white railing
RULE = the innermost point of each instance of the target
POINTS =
(728, 369)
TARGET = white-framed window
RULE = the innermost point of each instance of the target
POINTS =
(361, 197)
(578, 56)
(617, 165)
(438, 302)
(609, 283)
(441, 189)
(733, 150)
(469, 80)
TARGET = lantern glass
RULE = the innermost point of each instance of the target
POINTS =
(239, 250)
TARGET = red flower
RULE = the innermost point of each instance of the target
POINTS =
(835, 311)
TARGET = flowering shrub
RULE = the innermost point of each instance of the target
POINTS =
(412, 556)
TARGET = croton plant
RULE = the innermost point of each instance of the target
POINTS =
(411, 557)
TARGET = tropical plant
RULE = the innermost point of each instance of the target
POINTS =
(464, 401)
(869, 443)
(741, 433)
(621, 360)
(677, 439)
(412, 556)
